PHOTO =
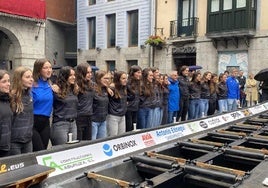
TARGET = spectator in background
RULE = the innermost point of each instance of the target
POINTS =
(222, 92)
(174, 96)
(5, 114)
(251, 90)
(264, 88)
(133, 94)
(233, 96)
(85, 101)
(184, 92)
(22, 107)
(227, 73)
(242, 81)
(195, 93)
(42, 93)
(64, 107)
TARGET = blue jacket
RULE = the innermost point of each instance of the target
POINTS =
(174, 96)
(42, 98)
(233, 88)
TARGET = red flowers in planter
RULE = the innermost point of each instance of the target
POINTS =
(155, 40)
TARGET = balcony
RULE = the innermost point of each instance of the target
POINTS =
(184, 28)
(232, 25)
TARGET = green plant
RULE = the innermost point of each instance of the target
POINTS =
(155, 41)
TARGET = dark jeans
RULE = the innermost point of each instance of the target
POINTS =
(131, 117)
(41, 132)
(84, 127)
(212, 106)
(184, 105)
(165, 115)
(60, 130)
(20, 148)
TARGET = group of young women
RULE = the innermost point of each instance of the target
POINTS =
(33, 110)
(203, 95)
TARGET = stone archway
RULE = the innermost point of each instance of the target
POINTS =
(10, 49)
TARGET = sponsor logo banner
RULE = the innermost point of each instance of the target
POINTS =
(258, 109)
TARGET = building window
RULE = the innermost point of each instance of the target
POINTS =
(131, 62)
(215, 5)
(91, 2)
(111, 28)
(110, 65)
(91, 33)
(92, 63)
(133, 27)
(227, 4)
(241, 3)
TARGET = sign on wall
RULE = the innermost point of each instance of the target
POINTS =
(233, 59)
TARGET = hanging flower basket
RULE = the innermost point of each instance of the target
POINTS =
(155, 41)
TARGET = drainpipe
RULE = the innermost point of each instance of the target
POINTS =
(155, 30)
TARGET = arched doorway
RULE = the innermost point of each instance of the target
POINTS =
(10, 49)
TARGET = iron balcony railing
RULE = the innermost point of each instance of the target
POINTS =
(184, 27)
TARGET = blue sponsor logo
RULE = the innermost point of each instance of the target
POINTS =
(107, 150)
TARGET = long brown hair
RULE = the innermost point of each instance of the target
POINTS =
(118, 87)
(147, 87)
(212, 85)
(17, 89)
(98, 77)
(82, 82)
(38, 65)
(133, 83)
(62, 82)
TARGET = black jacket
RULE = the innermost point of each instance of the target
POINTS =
(22, 124)
(65, 108)
(195, 90)
(184, 84)
(5, 122)
(118, 106)
(85, 103)
(222, 90)
(133, 99)
(205, 91)
(100, 106)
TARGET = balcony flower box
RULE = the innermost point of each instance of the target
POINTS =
(155, 41)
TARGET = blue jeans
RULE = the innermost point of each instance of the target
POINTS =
(60, 130)
(203, 107)
(157, 118)
(194, 108)
(223, 105)
(232, 104)
(99, 130)
(17, 148)
(171, 116)
(144, 118)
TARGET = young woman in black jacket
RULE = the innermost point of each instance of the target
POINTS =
(133, 94)
(5, 114)
(22, 107)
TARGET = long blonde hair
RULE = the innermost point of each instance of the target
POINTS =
(17, 89)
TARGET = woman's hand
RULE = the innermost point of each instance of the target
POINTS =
(55, 88)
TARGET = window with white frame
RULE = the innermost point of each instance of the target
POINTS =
(111, 30)
(133, 27)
